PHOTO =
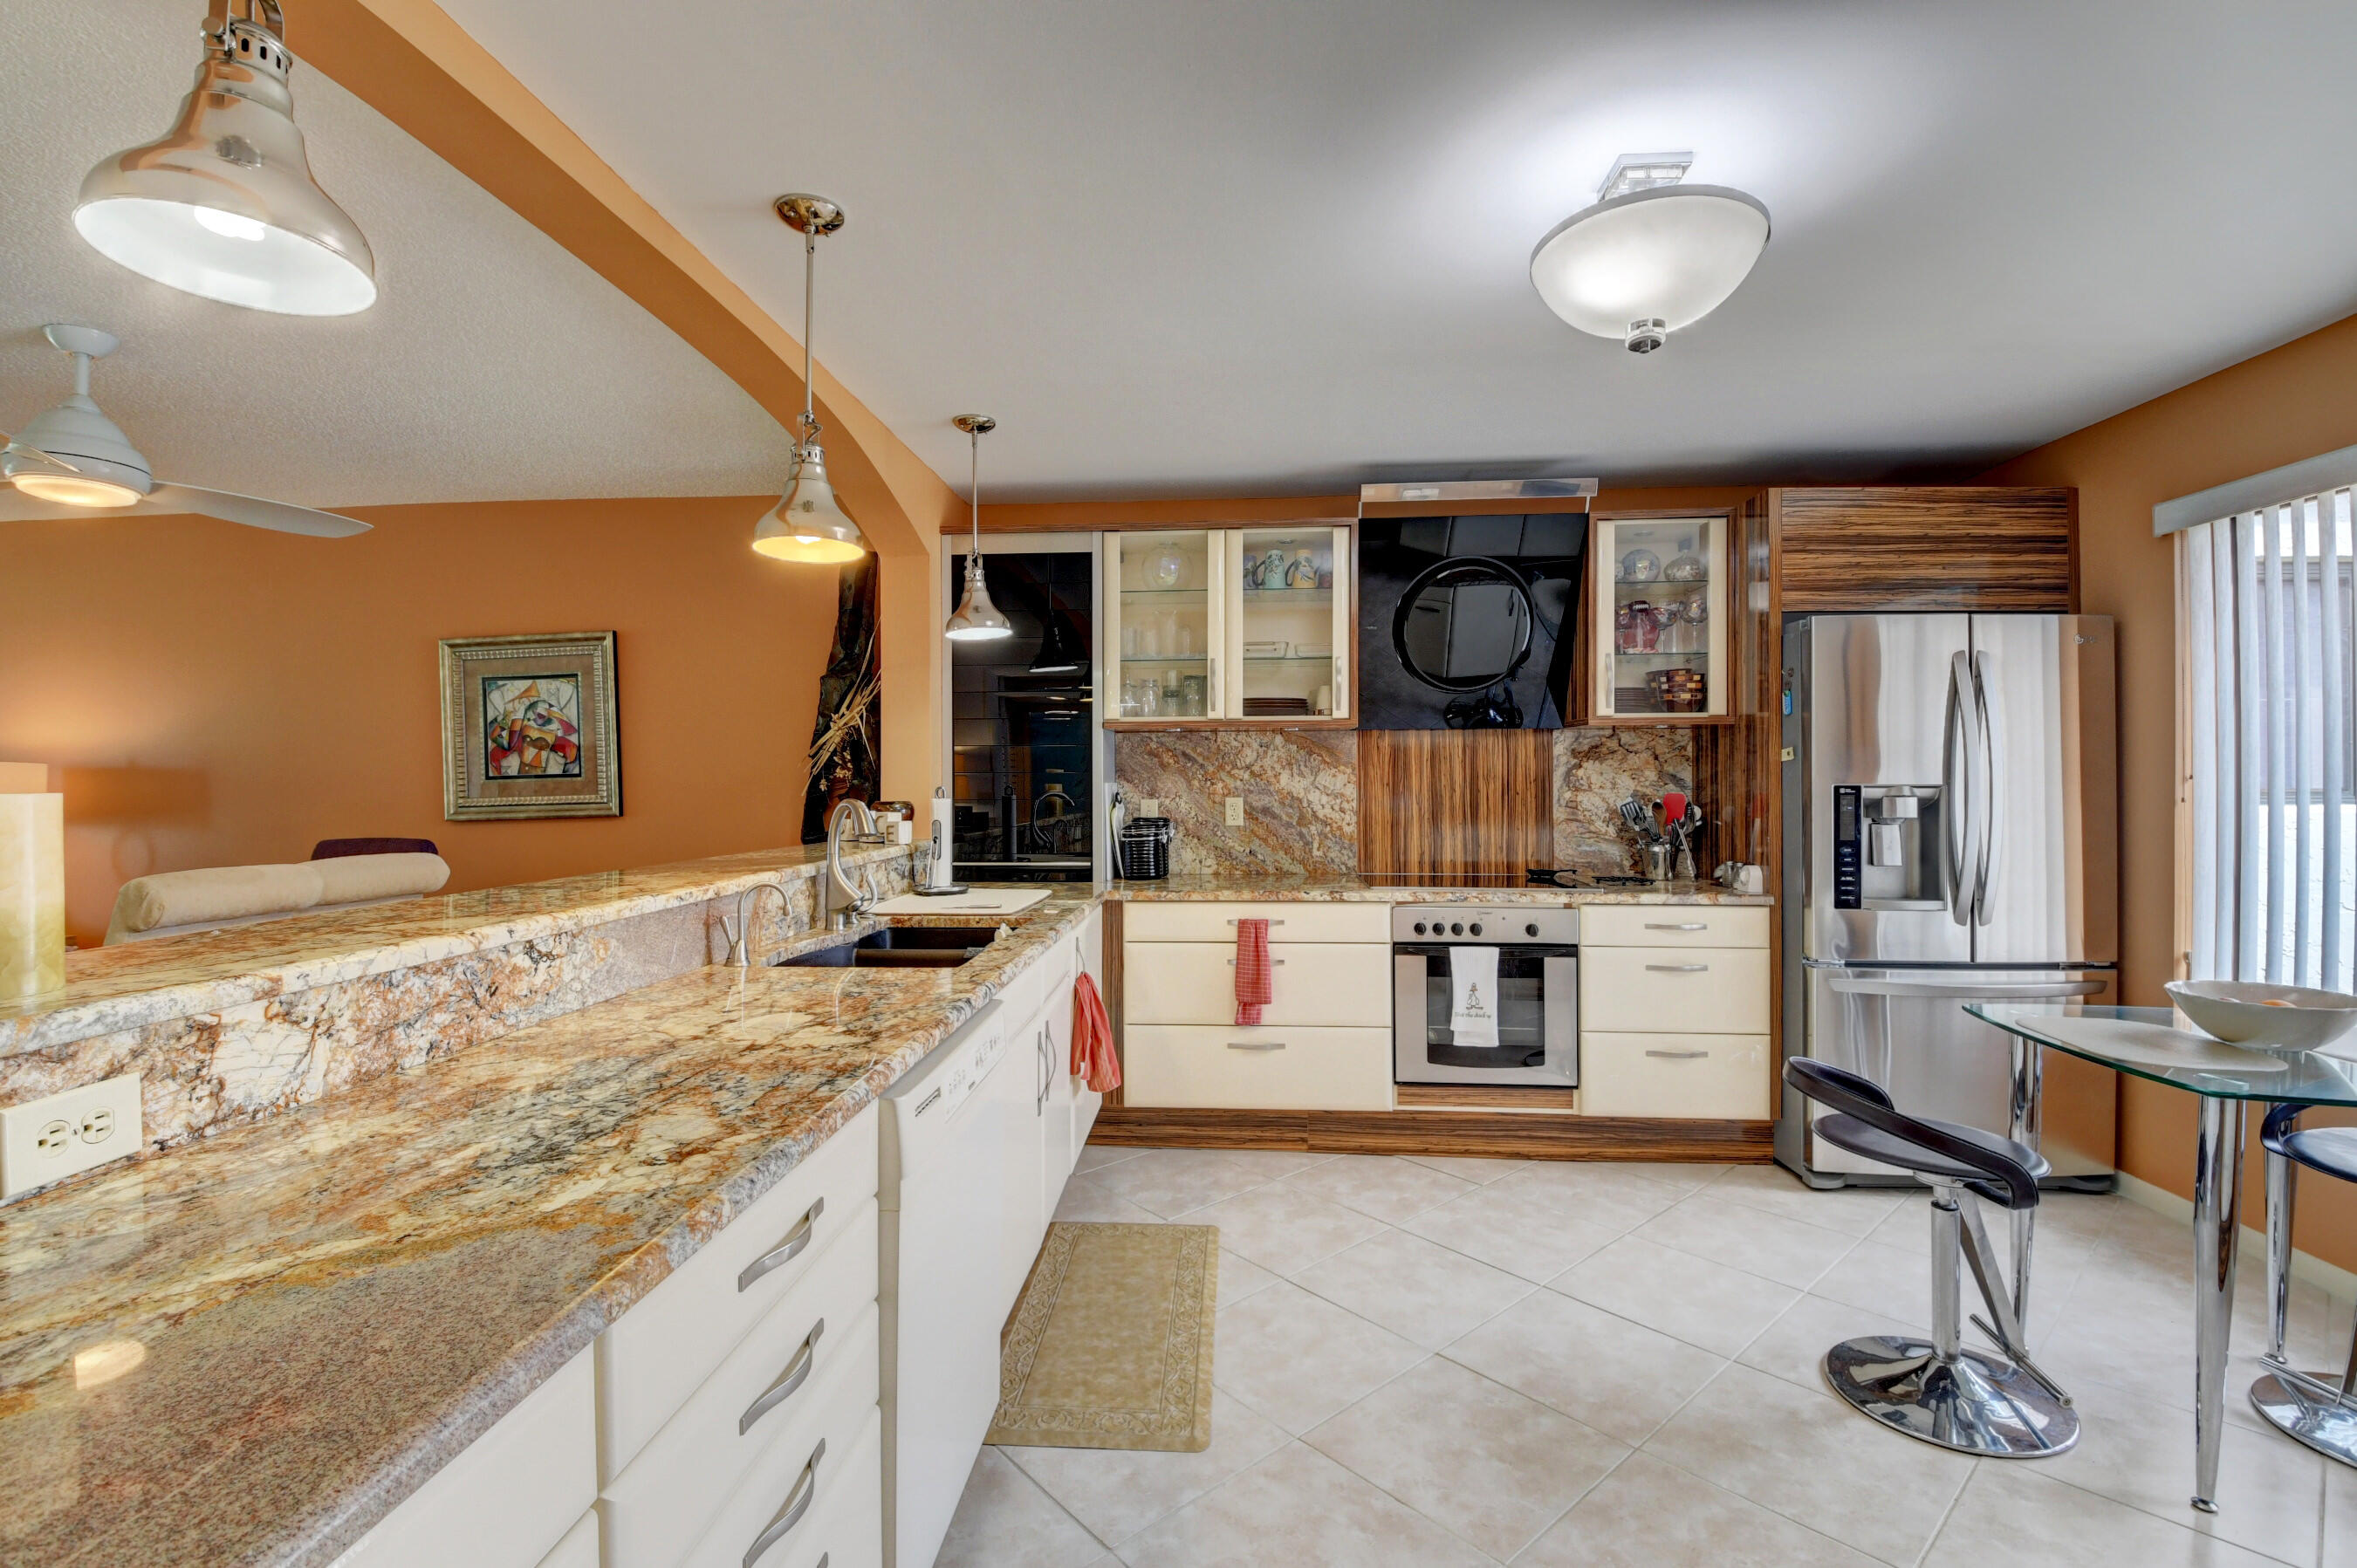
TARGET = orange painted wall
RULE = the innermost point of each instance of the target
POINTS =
(221, 695)
(2279, 407)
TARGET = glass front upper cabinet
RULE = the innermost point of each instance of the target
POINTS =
(1289, 640)
(1166, 623)
(1659, 648)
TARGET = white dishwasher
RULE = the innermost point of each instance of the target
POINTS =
(944, 1225)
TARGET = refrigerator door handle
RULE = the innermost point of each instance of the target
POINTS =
(2001, 991)
(1956, 787)
(1984, 792)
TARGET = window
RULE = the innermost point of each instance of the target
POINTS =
(2270, 745)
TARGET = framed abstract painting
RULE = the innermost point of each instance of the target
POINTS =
(529, 728)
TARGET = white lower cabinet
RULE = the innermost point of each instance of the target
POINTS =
(511, 1497)
(1689, 1076)
(1337, 984)
(1271, 1068)
(1674, 1012)
(579, 1547)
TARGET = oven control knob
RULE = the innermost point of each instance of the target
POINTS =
(1477, 928)
(1419, 927)
(1532, 929)
(1457, 929)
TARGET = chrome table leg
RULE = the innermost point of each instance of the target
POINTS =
(2281, 1179)
(2028, 1093)
(2217, 1224)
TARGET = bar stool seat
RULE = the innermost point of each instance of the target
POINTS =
(1937, 1390)
(2314, 1408)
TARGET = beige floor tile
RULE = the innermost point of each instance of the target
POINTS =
(2020, 1517)
(1603, 1192)
(2340, 1516)
(1096, 1156)
(1479, 1170)
(1418, 1290)
(1274, 1165)
(1908, 1226)
(1526, 1230)
(1790, 1252)
(1685, 1176)
(1085, 1202)
(1389, 1189)
(1813, 1459)
(1297, 1359)
(1618, 1377)
(1794, 1346)
(2270, 1489)
(1171, 1182)
(1493, 1466)
(1772, 1189)
(1004, 1518)
(1649, 1514)
(1296, 1508)
(1241, 1277)
(1118, 1492)
(1886, 1280)
(1283, 1229)
(1705, 1303)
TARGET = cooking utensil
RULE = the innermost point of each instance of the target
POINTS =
(1673, 807)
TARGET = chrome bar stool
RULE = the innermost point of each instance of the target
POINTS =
(1938, 1390)
(2317, 1410)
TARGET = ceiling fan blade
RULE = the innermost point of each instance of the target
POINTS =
(253, 511)
(12, 448)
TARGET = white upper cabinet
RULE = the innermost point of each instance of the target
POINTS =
(1230, 626)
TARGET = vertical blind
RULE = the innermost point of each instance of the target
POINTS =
(2273, 748)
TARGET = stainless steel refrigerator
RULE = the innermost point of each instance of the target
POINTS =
(1949, 835)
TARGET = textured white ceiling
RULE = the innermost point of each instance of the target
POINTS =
(494, 365)
(1226, 245)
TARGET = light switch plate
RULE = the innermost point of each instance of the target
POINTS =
(1235, 810)
(44, 1141)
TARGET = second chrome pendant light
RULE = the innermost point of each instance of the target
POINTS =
(808, 524)
(977, 619)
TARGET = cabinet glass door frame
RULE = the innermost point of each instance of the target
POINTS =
(1340, 621)
(1607, 593)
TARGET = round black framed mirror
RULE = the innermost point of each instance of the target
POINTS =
(1464, 624)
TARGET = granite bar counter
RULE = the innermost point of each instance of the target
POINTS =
(250, 1349)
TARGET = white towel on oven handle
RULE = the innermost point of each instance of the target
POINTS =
(1473, 995)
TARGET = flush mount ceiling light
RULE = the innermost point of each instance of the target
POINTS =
(223, 205)
(1653, 255)
(808, 524)
(977, 619)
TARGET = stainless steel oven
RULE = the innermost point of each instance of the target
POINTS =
(1538, 991)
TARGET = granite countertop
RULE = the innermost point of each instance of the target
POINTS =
(133, 983)
(1250, 887)
(317, 1311)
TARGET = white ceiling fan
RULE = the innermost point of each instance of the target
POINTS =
(73, 459)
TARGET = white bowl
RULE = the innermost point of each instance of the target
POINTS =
(2235, 1011)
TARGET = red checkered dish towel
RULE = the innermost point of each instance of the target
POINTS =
(1255, 979)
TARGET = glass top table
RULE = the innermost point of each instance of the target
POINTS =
(2306, 1077)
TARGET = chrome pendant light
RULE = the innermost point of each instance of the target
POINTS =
(1060, 643)
(809, 524)
(977, 619)
(223, 205)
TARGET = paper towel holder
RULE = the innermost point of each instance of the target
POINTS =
(937, 877)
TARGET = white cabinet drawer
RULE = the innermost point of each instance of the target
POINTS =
(665, 1496)
(1050, 975)
(1268, 1069)
(849, 1533)
(511, 1498)
(1700, 1077)
(579, 1547)
(794, 1477)
(1677, 991)
(1673, 926)
(1287, 922)
(1328, 985)
(658, 1352)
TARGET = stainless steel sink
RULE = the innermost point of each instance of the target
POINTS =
(901, 947)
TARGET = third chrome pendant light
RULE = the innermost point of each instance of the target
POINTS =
(977, 619)
(808, 524)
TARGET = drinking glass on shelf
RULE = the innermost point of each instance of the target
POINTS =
(1149, 698)
(1129, 640)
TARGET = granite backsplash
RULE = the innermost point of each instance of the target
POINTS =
(1300, 790)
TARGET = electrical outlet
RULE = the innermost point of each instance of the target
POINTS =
(1235, 810)
(44, 1141)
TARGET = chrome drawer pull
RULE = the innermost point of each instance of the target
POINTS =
(786, 1252)
(1667, 926)
(797, 1505)
(796, 1374)
(1256, 1045)
(1278, 961)
(1272, 922)
(1678, 968)
(1678, 1056)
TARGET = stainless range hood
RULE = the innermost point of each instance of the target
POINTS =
(1441, 493)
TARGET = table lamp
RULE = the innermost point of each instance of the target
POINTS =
(32, 882)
